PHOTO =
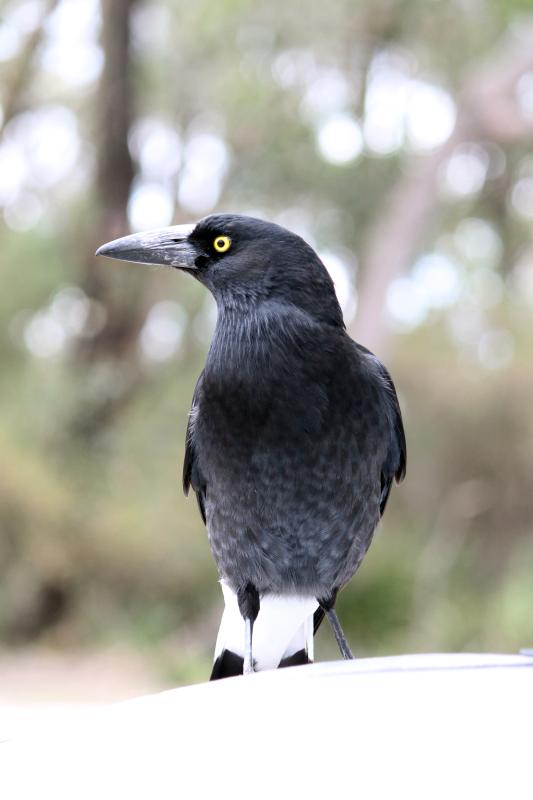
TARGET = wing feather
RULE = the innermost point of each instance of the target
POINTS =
(395, 464)
(192, 477)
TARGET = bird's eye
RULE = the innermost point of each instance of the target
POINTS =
(222, 244)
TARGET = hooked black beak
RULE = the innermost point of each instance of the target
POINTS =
(168, 246)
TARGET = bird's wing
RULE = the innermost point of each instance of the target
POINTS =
(395, 462)
(192, 476)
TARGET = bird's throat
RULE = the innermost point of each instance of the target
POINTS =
(255, 345)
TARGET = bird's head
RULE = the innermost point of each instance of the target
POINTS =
(243, 261)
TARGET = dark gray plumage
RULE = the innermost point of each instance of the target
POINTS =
(295, 432)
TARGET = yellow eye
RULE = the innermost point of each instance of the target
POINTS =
(222, 244)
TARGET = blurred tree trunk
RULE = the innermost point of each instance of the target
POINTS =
(488, 110)
(115, 111)
(21, 69)
(116, 290)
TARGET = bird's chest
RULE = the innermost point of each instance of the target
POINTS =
(239, 423)
(274, 423)
(228, 424)
(267, 445)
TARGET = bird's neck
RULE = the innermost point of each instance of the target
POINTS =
(257, 341)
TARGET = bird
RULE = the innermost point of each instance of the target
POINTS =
(294, 436)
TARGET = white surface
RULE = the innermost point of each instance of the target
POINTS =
(433, 726)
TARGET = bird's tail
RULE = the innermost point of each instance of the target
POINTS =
(282, 634)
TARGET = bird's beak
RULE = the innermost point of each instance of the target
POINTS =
(167, 246)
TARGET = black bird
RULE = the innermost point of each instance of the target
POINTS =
(294, 436)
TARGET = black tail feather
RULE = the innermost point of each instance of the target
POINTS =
(227, 665)
(295, 660)
(318, 616)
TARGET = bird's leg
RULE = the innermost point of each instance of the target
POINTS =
(248, 662)
(248, 600)
(342, 641)
(328, 604)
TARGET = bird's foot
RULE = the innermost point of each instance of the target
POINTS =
(248, 667)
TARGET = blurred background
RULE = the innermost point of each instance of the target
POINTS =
(396, 136)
